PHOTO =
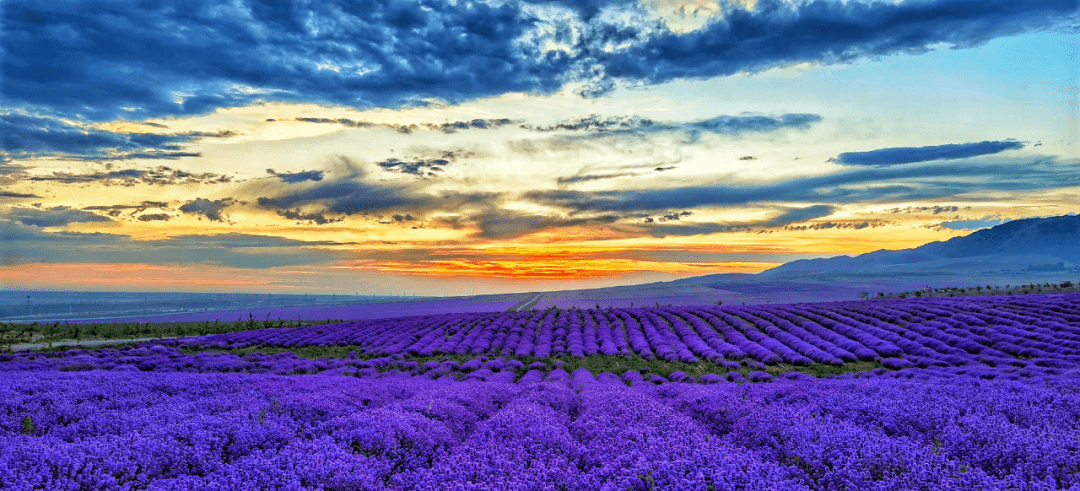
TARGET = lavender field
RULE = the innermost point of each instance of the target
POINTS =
(944, 393)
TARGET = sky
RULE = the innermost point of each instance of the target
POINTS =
(467, 147)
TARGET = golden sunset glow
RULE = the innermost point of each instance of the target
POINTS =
(645, 141)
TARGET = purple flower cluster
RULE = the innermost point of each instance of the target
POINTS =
(156, 358)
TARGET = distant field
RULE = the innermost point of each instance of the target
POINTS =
(293, 312)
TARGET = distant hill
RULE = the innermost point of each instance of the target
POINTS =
(1021, 251)
(1027, 245)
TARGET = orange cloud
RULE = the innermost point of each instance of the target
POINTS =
(127, 276)
(554, 268)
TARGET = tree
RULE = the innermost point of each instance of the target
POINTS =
(864, 295)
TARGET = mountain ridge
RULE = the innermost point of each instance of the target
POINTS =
(1028, 244)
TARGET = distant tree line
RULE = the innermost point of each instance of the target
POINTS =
(978, 290)
(15, 333)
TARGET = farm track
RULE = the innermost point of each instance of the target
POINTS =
(526, 304)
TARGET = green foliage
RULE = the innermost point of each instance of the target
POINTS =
(596, 364)
(28, 427)
(13, 333)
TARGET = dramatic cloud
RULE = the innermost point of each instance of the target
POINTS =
(798, 215)
(313, 218)
(25, 136)
(852, 225)
(116, 210)
(207, 208)
(451, 127)
(779, 32)
(28, 244)
(192, 57)
(926, 209)
(562, 181)
(786, 217)
(505, 224)
(596, 122)
(862, 185)
(347, 197)
(105, 62)
(153, 217)
(295, 177)
(9, 194)
(910, 155)
(730, 125)
(53, 217)
(672, 216)
(423, 168)
(158, 176)
(6, 169)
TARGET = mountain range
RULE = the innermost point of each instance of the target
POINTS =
(1026, 245)
(1030, 250)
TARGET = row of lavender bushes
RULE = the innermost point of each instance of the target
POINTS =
(1018, 331)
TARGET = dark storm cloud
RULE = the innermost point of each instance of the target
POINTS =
(211, 209)
(877, 184)
(53, 217)
(348, 197)
(135, 60)
(154, 217)
(909, 155)
(159, 176)
(312, 218)
(180, 57)
(26, 136)
(425, 168)
(26, 244)
(295, 177)
(350, 192)
(9, 194)
(505, 224)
